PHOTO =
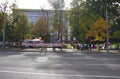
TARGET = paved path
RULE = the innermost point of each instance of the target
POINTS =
(41, 65)
(58, 50)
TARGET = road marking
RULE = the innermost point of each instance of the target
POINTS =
(105, 64)
(65, 75)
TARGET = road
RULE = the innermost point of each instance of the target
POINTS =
(39, 65)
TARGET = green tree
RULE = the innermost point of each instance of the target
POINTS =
(3, 9)
(117, 34)
(1, 25)
(79, 20)
(22, 27)
(9, 21)
(9, 28)
(57, 22)
(98, 7)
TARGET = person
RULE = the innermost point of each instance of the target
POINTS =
(78, 46)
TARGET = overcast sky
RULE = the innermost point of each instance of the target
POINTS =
(35, 4)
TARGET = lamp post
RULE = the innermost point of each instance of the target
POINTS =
(4, 21)
(4, 29)
(107, 30)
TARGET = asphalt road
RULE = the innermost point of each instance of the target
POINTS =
(39, 65)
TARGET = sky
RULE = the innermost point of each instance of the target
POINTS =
(35, 4)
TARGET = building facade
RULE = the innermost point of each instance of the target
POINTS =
(34, 14)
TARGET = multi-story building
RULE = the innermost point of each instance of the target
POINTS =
(34, 14)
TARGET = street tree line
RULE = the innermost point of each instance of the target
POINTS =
(18, 27)
(87, 21)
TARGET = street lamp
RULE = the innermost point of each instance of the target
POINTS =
(4, 21)
(107, 30)
(4, 29)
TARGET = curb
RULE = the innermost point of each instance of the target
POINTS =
(10, 49)
(58, 51)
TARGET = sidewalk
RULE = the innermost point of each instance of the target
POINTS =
(57, 50)
(105, 51)
(38, 50)
(48, 50)
(10, 49)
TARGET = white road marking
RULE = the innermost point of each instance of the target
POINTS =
(104, 64)
(50, 74)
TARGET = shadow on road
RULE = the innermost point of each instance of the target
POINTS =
(7, 53)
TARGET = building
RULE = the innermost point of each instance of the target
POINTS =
(34, 14)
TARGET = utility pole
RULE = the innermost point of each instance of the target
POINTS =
(3, 30)
(107, 30)
(3, 10)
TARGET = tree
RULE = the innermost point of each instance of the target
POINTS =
(98, 7)
(9, 21)
(58, 6)
(21, 27)
(3, 9)
(1, 25)
(40, 28)
(78, 20)
(9, 28)
(97, 30)
(117, 34)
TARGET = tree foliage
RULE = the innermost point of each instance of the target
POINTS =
(40, 28)
(84, 14)
(78, 20)
(3, 19)
(1, 23)
(98, 7)
(117, 34)
(97, 30)
(57, 4)
(22, 27)
(57, 20)
(9, 28)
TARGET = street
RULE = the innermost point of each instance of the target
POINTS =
(49, 65)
